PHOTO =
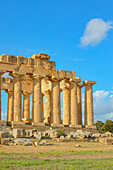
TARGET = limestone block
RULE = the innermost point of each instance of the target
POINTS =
(62, 137)
(29, 132)
(11, 59)
(4, 142)
(108, 141)
(62, 73)
(3, 134)
(91, 126)
(16, 133)
(107, 134)
(38, 135)
(23, 132)
(3, 58)
(69, 74)
(55, 74)
(23, 141)
(49, 65)
(44, 56)
(35, 56)
(35, 143)
(22, 60)
(31, 62)
(43, 142)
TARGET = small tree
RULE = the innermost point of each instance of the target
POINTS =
(99, 125)
(108, 126)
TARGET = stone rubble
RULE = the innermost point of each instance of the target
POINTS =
(30, 137)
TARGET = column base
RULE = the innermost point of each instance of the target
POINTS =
(17, 123)
(90, 126)
(27, 120)
(57, 125)
(38, 124)
(75, 126)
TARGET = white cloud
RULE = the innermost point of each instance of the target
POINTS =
(103, 105)
(95, 31)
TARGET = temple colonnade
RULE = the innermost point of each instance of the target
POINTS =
(39, 80)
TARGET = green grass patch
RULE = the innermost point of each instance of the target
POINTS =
(106, 163)
(74, 152)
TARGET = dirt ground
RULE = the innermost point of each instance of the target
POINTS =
(66, 149)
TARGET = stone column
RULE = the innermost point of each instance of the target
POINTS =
(17, 97)
(79, 100)
(37, 109)
(1, 73)
(56, 102)
(47, 107)
(74, 104)
(51, 118)
(10, 106)
(89, 117)
(42, 106)
(26, 107)
(66, 106)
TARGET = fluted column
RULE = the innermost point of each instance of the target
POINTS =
(66, 105)
(17, 97)
(1, 73)
(89, 115)
(10, 106)
(47, 107)
(26, 106)
(37, 110)
(42, 106)
(74, 105)
(79, 100)
(56, 102)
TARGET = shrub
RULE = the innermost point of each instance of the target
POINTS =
(104, 127)
(60, 131)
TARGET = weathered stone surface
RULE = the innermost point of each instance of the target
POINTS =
(37, 135)
(23, 141)
(3, 134)
(77, 145)
(43, 142)
(38, 76)
(106, 141)
(4, 142)
(16, 133)
(107, 134)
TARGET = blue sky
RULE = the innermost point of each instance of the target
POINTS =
(62, 29)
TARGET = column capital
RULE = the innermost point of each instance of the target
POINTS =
(75, 80)
(37, 76)
(9, 91)
(54, 79)
(25, 93)
(89, 83)
(16, 74)
(80, 85)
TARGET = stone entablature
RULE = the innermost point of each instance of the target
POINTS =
(38, 76)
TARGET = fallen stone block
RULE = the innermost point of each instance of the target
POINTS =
(43, 142)
(16, 133)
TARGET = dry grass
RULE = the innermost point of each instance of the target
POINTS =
(57, 156)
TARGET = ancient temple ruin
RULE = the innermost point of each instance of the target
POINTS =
(38, 76)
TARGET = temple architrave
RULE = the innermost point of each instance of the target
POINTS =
(38, 76)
